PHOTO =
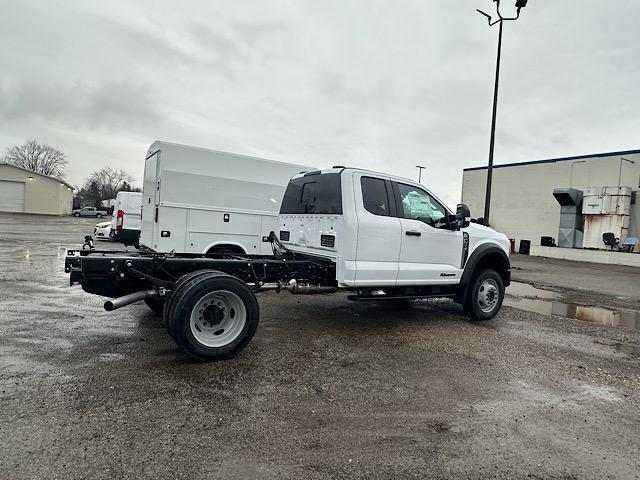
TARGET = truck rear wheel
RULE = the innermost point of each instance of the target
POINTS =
(215, 317)
(168, 312)
(486, 295)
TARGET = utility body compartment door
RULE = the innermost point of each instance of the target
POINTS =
(150, 200)
(428, 255)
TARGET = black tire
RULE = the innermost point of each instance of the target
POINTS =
(76, 214)
(155, 304)
(485, 296)
(168, 312)
(99, 215)
(241, 321)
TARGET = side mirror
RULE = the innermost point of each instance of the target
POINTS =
(462, 215)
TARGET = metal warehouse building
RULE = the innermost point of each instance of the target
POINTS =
(522, 202)
(24, 191)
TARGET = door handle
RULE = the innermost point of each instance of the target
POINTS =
(412, 233)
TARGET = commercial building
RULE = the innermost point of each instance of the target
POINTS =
(524, 208)
(24, 191)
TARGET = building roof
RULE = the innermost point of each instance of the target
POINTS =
(562, 159)
(41, 174)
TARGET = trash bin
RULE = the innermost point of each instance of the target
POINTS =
(512, 249)
(525, 247)
(547, 242)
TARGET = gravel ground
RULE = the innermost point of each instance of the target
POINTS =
(327, 388)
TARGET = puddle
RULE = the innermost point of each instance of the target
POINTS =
(544, 302)
(519, 289)
(626, 348)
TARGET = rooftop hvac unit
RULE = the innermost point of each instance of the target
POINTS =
(606, 209)
(571, 220)
(607, 201)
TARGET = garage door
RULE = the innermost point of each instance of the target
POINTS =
(11, 196)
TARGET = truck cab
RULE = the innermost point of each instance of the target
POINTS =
(384, 231)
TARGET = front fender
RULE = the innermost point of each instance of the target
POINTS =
(483, 256)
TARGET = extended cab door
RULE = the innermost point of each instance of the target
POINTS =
(379, 239)
(430, 254)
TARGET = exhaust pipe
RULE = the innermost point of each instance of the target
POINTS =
(134, 297)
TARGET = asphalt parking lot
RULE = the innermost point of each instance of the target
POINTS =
(327, 388)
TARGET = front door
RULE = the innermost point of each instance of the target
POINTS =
(430, 253)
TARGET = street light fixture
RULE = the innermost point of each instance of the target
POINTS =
(520, 4)
(420, 168)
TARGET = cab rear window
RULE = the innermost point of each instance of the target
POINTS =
(318, 194)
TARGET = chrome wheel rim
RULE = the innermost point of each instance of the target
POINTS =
(218, 318)
(488, 295)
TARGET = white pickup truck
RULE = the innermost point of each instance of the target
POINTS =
(378, 236)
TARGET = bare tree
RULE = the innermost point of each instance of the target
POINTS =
(37, 157)
(109, 181)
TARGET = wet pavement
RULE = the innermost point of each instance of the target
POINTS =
(526, 297)
(326, 389)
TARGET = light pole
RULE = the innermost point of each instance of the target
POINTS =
(520, 4)
(571, 170)
(420, 168)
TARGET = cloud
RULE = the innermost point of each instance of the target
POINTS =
(369, 83)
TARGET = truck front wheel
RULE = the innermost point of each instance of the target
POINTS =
(486, 295)
(215, 317)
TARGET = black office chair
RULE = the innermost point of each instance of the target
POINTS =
(610, 240)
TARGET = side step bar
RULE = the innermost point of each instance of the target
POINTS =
(377, 298)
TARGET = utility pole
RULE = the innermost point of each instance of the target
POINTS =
(520, 4)
(420, 168)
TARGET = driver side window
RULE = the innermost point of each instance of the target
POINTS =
(419, 205)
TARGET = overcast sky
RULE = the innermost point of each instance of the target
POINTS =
(384, 85)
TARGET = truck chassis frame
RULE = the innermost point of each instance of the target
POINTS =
(199, 294)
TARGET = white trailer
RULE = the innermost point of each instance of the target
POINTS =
(204, 201)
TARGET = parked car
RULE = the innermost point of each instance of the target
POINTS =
(102, 231)
(89, 212)
(127, 217)
(205, 201)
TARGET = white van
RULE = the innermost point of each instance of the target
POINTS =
(205, 201)
(127, 217)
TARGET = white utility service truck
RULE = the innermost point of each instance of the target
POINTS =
(204, 201)
(127, 217)
(378, 236)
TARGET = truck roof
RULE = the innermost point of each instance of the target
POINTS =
(340, 169)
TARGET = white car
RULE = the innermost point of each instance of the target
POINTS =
(102, 231)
